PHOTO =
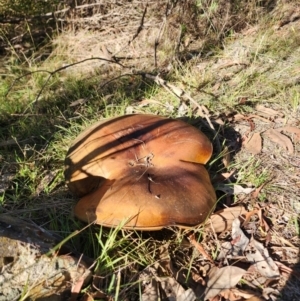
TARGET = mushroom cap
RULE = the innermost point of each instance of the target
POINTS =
(143, 171)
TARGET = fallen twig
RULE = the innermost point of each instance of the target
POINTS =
(140, 28)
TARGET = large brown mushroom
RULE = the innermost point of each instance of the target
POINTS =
(144, 171)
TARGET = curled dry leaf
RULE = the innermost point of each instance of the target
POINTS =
(263, 223)
(220, 279)
(222, 220)
(97, 295)
(262, 262)
(197, 278)
(251, 124)
(280, 139)
(260, 118)
(226, 176)
(254, 144)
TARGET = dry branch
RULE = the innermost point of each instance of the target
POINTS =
(140, 28)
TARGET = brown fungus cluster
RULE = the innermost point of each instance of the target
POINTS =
(142, 171)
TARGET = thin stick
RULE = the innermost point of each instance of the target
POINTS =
(140, 28)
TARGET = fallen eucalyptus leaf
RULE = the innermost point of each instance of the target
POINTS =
(291, 129)
(267, 111)
(199, 247)
(262, 262)
(222, 220)
(220, 279)
(254, 144)
(280, 139)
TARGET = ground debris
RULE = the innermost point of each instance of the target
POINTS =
(222, 220)
(259, 256)
(27, 271)
(162, 288)
(220, 279)
(280, 139)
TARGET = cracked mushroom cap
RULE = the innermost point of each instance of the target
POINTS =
(144, 171)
